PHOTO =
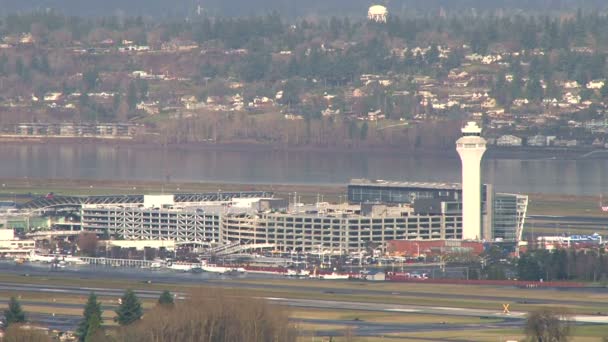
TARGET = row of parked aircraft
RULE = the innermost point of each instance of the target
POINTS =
(58, 258)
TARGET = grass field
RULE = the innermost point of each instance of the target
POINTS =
(394, 293)
(545, 204)
(310, 290)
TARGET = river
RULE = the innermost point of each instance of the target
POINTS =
(255, 165)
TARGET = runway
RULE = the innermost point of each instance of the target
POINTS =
(65, 322)
(292, 302)
(172, 277)
(360, 328)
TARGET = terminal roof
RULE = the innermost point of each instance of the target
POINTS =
(418, 185)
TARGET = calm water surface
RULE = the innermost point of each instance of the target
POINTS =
(101, 162)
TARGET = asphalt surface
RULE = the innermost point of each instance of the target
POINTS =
(303, 303)
(360, 328)
(172, 277)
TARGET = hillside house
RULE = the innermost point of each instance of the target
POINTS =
(509, 140)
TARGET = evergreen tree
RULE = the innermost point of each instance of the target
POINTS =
(130, 309)
(90, 79)
(432, 55)
(132, 96)
(94, 329)
(363, 132)
(534, 90)
(3, 65)
(91, 321)
(22, 70)
(604, 91)
(14, 313)
(166, 299)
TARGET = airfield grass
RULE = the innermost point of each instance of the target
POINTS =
(308, 289)
(428, 301)
(587, 333)
(560, 205)
(397, 290)
(392, 289)
(10, 187)
(540, 204)
(581, 333)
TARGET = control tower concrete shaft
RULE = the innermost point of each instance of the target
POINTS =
(471, 147)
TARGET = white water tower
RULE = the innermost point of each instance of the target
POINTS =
(471, 147)
(377, 13)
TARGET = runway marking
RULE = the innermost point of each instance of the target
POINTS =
(55, 290)
(402, 310)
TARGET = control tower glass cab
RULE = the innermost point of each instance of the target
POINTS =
(471, 148)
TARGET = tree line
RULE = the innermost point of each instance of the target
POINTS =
(563, 264)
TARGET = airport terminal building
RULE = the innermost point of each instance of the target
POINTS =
(338, 229)
(502, 214)
(376, 212)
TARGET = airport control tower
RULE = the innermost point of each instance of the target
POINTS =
(471, 147)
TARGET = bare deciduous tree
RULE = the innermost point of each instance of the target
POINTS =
(25, 333)
(87, 243)
(210, 316)
(548, 325)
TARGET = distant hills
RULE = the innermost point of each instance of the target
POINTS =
(287, 8)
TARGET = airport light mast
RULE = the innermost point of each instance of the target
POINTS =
(471, 147)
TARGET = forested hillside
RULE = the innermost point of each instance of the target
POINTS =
(289, 8)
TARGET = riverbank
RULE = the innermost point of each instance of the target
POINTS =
(493, 152)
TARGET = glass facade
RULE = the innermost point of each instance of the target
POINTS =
(397, 195)
(509, 214)
(506, 215)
